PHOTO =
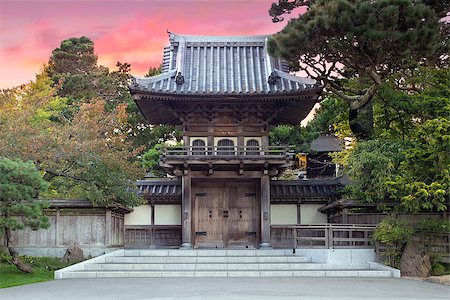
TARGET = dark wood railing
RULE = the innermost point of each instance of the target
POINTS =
(226, 151)
(146, 236)
(322, 236)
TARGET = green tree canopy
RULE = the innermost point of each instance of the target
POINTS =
(20, 186)
(362, 40)
(409, 160)
(87, 156)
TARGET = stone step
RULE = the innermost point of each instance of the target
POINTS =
(207, 259)
(218, 267)
(235, 273)
(208, 252)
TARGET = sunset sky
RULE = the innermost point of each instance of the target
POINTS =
(126, 31)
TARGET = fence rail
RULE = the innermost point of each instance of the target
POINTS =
(323, 236)
(226, 151)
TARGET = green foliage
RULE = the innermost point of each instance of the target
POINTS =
(392, 231)
(372, 164)
(329, 117)
(291, 135)
(439, 269)
(44, 268)
(153, 71)
(409, 159)
(150, 160)
(20, 185)
(394, 234)
(364, 41)
(87, 156)
(432, 228)
(360, 33)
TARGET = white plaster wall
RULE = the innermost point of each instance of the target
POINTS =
(142, 215)
(309, 214)
(283, 214)
(167, 214)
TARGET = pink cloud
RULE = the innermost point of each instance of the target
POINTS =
(127, 31)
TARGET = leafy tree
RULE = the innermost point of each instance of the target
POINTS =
(329, 118)
(89, 155)
(20, 185)
(409, 161)
(291, 135)
(76, 76)
(361, 40)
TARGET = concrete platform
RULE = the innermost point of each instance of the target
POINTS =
(217, 263)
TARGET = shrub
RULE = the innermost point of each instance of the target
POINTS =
(439, 269)
(393, 234)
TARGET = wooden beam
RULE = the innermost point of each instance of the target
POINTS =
(265, 212)
(186, 213)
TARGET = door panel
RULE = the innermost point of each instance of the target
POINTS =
(242, 223)
(225, 215)
(209, 220)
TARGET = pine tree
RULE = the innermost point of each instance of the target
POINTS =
(20, 185)
(356, 39)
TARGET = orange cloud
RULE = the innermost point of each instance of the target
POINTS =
(127, 31)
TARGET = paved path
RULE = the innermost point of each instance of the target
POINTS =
(229, 288)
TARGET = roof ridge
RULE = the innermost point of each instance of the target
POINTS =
(173, 37)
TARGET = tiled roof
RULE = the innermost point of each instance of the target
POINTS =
(216, 65)
(159, 188)
(280, 190)
(327, 143)
(302, 189)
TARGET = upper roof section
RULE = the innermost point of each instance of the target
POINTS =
(221, 65)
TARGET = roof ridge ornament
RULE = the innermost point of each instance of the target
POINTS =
(179, 79)
(272, 78)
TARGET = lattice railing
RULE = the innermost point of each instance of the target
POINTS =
(322, 236)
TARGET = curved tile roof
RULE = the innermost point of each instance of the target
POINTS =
(221, 65)
(280, 190)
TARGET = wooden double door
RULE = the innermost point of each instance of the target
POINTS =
(226, 214)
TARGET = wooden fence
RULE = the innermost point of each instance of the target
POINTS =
(322, 236)
(149, 236)
(375, 218)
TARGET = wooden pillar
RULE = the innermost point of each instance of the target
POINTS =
(57, 220)
(108, 220)
(186, 213)
(265, 212)
(299, 214)
(344, 216)
(152, 221)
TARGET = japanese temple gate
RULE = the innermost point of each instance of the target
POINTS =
(226, 93)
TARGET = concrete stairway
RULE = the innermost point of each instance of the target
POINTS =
(212, 263)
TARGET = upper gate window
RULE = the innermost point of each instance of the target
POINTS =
(225, 147)
(198, 147)
(252, 147)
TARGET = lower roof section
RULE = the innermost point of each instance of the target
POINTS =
(281, 191)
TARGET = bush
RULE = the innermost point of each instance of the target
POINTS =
(439, 269)
(47, 263)
(393, 234)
